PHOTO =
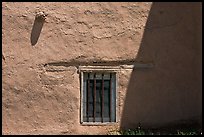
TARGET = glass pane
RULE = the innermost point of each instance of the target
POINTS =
(106, 98)
(98, 100)
(90, 98)
(113, 104)
(84, 100)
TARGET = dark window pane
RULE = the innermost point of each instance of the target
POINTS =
(89, 99)
(106, 98)
(98, 99)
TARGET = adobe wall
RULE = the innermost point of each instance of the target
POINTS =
(40, 78)
(169, 95)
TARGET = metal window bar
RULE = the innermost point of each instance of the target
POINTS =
(102, 99)
(94, 100)
(87, 101)
(110, 98)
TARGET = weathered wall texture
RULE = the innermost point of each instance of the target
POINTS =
(170, 93)
(41, 83)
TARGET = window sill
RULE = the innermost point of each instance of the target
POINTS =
(98, 123)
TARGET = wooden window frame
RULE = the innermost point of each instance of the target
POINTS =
(98, 69)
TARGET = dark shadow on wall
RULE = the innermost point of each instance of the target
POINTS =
(36, 30)
(170, 93)
(3, 57)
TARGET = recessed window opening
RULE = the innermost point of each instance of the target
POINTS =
(99, 97)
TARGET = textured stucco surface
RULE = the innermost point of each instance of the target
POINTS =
(40, 78)
(170, 93)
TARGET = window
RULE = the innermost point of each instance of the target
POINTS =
(99, 97)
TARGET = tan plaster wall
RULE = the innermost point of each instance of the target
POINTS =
(170, 93)
(40, 79)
